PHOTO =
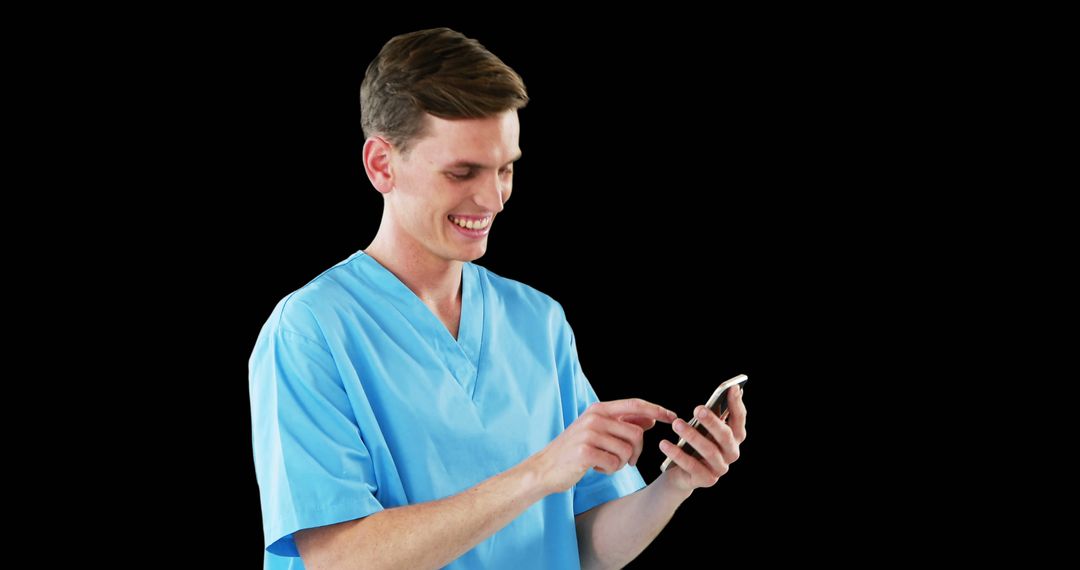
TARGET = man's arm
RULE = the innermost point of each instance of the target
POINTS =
(425, 535)
(433, 534)
(613, 534)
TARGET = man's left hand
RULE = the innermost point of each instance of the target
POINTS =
(718, 451)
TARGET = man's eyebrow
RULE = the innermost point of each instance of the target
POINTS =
(477, 165)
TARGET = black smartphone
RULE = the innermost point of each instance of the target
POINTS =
(718, 404)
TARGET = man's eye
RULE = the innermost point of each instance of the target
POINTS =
(460, 175)
(507, 171)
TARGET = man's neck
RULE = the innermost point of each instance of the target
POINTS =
(435, 281)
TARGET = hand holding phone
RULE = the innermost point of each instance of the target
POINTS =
(718, 404)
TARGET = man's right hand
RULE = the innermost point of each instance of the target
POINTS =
(606, 437)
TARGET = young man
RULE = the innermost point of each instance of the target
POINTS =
(411, 409)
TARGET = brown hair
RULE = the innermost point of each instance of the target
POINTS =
(437, 71)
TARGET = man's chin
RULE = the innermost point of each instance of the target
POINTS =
(475, 252)
(473, 256)
(467, 254)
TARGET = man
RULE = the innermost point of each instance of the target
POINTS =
(411, 409)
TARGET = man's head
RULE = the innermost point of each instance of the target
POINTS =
(440, 116)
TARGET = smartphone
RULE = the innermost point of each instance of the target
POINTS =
(718, 404)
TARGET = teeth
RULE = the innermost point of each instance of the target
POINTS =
(472, 224)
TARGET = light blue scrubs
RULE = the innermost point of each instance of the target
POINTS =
(362, 400)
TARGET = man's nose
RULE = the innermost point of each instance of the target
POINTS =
(492, 194)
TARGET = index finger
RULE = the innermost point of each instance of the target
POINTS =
(737, 421)
(638, 407)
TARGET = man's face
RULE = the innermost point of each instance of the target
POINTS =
(452, 182)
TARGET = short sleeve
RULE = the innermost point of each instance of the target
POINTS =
(596, 488)
(311, 463)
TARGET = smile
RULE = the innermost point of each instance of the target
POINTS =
(473, 227)
(471, 223)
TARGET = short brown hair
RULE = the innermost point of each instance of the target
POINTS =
(437, 71)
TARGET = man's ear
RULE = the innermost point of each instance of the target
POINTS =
(377, 163)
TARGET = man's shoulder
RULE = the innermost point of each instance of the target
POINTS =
(517, 296)
(330, 290)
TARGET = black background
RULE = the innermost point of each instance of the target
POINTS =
(856, 207)
(703, 199)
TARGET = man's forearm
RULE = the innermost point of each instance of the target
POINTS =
(425, 535)
(613, 534)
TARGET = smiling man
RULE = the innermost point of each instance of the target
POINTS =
(411, 409)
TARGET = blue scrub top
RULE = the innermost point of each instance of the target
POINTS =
(361, 400)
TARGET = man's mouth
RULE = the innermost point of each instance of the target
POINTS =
(471, 222)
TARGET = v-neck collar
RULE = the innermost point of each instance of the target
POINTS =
(461, 355)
